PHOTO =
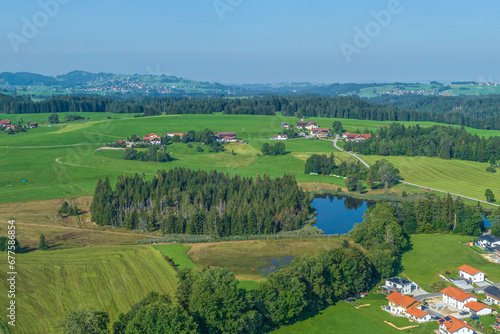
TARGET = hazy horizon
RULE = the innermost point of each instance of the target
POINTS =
(243, 42)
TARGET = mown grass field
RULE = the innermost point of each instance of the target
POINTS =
(435, 254)
(110, 279)
(345, 318)
(457, 176)
(32, 155)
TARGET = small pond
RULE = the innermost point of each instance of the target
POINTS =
(338, 214)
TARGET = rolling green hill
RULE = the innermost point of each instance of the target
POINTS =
(32, 155)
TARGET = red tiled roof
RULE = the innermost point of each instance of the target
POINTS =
(457, 293)
(476, 306)
(400, 299)
(453, 324)
(356, 135)
(5, 122)
(151, 138)
(469, 270)
(416, 312)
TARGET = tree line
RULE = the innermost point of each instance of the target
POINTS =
(300, 106)
(199, 202)
(445, 142)
(474, 108)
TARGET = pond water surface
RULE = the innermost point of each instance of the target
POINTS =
(338, 214)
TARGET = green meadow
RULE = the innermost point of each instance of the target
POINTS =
(63, 160)
(456, 176)
(343, 317)
(435, 254)
(111, 279)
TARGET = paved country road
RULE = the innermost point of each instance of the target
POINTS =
(408, 183)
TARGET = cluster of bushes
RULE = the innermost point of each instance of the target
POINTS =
(278, 148)
(154, 153)
(206, 137)
(73, 117)
(69, 208)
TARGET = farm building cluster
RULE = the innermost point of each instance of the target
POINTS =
(313, 130)
(154, 139)
(10, 128)
(452, 307)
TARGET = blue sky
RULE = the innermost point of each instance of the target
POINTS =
(256, 41)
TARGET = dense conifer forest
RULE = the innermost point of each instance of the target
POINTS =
(199, 202)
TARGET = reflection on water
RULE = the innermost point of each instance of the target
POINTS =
(338, 214)
(275, 264)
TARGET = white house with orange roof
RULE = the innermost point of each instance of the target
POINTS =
(471, 274)
(456, 297)
(479, 309)
(399, 303)
(452, 325)
(418, 315)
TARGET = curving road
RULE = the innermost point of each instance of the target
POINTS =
(408, 183)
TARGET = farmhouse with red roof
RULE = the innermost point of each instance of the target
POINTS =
(355, 136)
(456, 297)
(472, 275)
(152, 138)
(5, 123)
(226, 137)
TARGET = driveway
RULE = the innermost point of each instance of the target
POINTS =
(460, 283)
